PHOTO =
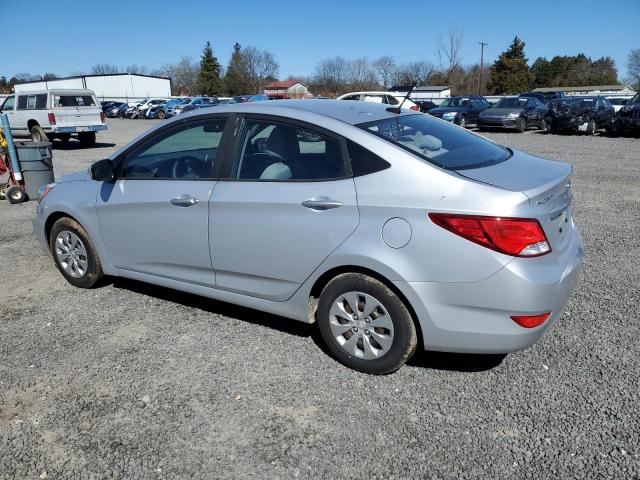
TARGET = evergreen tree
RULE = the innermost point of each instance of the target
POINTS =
(510, 72)
(235, 80)
(209, 81)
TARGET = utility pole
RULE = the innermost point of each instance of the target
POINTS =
(482, 45)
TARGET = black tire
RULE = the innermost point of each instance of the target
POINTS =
(64, 137)
(404, 337)
(16, 195)
(87, 139)
(93, 273)
(542, 125)
(591, 127)
(38, 134)
(463, 121)
(161, 115)
(521, 125)
(3, 191)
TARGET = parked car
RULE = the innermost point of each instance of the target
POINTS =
(106, 105)
(59, 113)
(240, 98)
(257, 98)
(160, 111)
(516, 113)
(618, 102)
(132, 111)
(118, 111)
(628, 118)
(142, 109)
(390, 230)
(462, 110)
(191, 104)
(389, 98)
(425, 105)
(174, 110)
(580, 114)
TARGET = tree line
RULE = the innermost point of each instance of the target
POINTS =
(250, 68)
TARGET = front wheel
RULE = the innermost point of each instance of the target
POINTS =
(463, 121)
(160, 115)
(542, 125)
(521, 125)
(591, 127)
(74, 253)
(365, 324)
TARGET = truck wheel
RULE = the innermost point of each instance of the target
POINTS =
(16, 195)
(38, 135)
(87, 139)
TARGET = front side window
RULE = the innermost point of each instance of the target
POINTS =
(276, 151)
(438, 142)
(9, 103)
(186, 152)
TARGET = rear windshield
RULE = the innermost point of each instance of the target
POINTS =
(438, 142)
(73, 101)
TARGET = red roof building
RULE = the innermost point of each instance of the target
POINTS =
(286, 89)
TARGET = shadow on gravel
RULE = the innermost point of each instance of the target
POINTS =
(73, 145)
(459, 362)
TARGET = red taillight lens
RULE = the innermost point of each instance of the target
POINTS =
(415, 108)
(52, 119)
(530, 321)
(102, 117)
(520, 237)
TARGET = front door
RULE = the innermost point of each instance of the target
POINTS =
(288, 202)
(154, 217)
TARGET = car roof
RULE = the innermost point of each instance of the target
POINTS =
(352, 113)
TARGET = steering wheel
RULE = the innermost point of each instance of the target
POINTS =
(275, 156)
(185, 166)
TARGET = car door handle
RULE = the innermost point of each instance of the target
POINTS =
(321, 203)
(184, 201)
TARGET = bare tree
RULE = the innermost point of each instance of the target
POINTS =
(104, 69)
(633, 65)
(48, 76)
(183, 75)
(417, 72)
(449, 50)
(385, 67)
(260, 66)
(360, 74)
(331, 75)
(26, 77)
(136, 69)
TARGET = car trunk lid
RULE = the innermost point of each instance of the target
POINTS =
(546, 183)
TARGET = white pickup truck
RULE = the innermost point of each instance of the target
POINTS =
(49, 114)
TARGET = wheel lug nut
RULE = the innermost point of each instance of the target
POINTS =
(367, 332)
(355, 317)
(354, 329)
(367, 320)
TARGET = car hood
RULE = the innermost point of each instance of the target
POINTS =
(521, 173)
(501, 111)
(446, 109)
(74, 177)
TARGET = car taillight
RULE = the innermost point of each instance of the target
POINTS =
(530, 321)
(520, 237)
(52, 119)
(415, 108)
(102, 117)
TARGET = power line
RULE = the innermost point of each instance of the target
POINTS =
(482, 45)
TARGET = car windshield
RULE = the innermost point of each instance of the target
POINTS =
(455, 102)
(438, 142)
(513, 102)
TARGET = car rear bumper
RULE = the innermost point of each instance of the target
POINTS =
(79, 129)
(475, 317)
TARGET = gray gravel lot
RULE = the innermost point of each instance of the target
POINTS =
(135, 381)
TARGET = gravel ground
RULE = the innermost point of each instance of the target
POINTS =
(135, 381)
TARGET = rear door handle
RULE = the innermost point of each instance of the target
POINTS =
(321, 203)
(184, 201)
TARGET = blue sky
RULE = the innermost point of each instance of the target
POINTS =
(75, 35)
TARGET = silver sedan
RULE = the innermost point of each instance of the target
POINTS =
(391, 230)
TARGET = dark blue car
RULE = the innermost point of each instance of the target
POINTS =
(462, 110)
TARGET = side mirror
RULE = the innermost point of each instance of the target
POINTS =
(102, 171)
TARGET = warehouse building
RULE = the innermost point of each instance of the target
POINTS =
(117, 86)
(605, 90)
(287, 89)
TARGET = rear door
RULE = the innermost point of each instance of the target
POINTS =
(76, 110)
(154, 217)
(286, 201)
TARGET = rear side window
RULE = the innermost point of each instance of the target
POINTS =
(32, 102)
(73, 101)
(364, 162)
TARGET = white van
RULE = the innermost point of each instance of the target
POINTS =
(47, 114)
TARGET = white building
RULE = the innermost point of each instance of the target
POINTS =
(604, 90)
(117, 86)
(425, 92)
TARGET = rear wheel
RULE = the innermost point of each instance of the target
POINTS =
(87, 139)
(74, 253)
(64, 137)
(38, 134)
(365, 324)
(16, 195)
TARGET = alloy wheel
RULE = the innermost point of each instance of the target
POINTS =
(361, 325)
(71, 254)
